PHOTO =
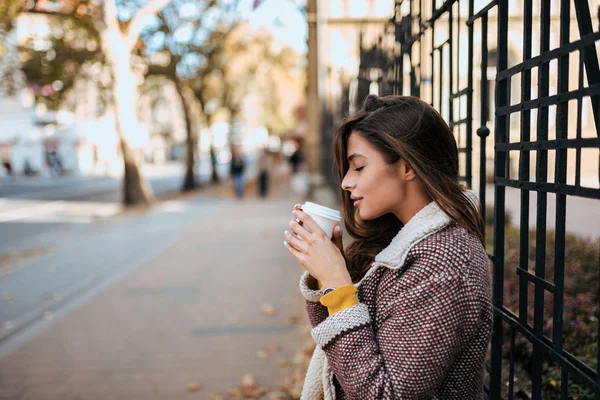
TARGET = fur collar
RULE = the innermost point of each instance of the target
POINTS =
(427, 221)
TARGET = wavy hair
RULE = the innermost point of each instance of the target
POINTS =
(408, 128)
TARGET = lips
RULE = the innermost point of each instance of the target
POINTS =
(357, 200)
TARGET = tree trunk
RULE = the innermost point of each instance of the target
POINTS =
(135, 188)
(189, 181)
(213, 154)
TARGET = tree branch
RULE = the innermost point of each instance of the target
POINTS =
(138, 22)
(110, 16)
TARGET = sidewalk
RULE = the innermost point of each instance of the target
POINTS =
(200, 312)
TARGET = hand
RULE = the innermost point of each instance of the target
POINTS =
(337, 233)
(319, 255)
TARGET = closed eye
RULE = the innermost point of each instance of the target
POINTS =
(358, 169)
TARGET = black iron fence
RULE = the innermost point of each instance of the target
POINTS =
(518, 82)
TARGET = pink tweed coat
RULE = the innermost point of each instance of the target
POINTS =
(422, 325)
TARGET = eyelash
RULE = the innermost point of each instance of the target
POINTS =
(358, 169)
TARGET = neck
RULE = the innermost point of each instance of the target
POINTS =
(412, 205)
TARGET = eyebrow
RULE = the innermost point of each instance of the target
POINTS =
(353, 156)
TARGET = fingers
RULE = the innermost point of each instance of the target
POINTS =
(337, 237)
(293, 251)
(295, 242)
(307, 221)
(299, 230)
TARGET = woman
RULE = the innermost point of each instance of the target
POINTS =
(405, 312)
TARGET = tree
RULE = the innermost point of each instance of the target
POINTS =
(208, 79)
(117, 39)
(184, 34)
(11, 78)
(252, 62)
(52, 64)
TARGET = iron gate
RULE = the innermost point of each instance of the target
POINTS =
(523, 77)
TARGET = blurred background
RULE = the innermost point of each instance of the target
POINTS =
(135, 262)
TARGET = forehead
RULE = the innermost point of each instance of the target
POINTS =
(358, 144)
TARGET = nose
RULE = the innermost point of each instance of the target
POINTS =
(346, 184)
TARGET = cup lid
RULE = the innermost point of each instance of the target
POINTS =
(322, 211)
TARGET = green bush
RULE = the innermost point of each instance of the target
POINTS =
(581, 282)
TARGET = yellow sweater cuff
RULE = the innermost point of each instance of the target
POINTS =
(340, 299)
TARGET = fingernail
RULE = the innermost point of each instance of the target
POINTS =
(285, 243)
(285, 232)
(337, 228)
(297, 220)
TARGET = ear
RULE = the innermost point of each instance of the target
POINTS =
(406, 170)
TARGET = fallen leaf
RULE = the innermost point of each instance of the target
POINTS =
(263, 355)
(271, 348)
(277, 396)
(7, 296)
(193, 387)
(284, 362)
(216, 396)
(268, 310)
(250, 389)
(247, 380)
(293, 319)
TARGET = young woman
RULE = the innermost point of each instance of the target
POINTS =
(405, 311)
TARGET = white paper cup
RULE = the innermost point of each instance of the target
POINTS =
(325, 217)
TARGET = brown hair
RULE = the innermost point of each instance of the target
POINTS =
(408, 128)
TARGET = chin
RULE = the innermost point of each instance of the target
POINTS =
(365, 215)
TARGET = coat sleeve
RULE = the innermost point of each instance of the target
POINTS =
(425, 329)
(317, 312)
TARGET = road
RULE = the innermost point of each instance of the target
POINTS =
(34, 211)
(141, 304)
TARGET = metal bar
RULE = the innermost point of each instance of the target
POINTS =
(579, 119)
(462, 92)
(540, 234)
(511, 365)
(552, 144)
(570, 190)
(549, 100)
(450, 65)
(432, 55)
(469, 89)
(484, 11)
(564, 384)
(524, 164)
(528, 276)
(459, 122)
(483, 132)
(441, 81)
(583, 43)
(562, 118)
(564, 359)
(499, 205)
(584, 22)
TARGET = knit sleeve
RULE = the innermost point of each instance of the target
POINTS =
(426, 328)
(309, 287)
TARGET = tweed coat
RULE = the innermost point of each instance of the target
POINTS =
(422, 325)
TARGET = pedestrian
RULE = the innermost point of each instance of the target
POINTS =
(263, 172)
(404, 312)
(237, 172)
(6, 163)
(296, 158)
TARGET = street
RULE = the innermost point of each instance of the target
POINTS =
(140, 304)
